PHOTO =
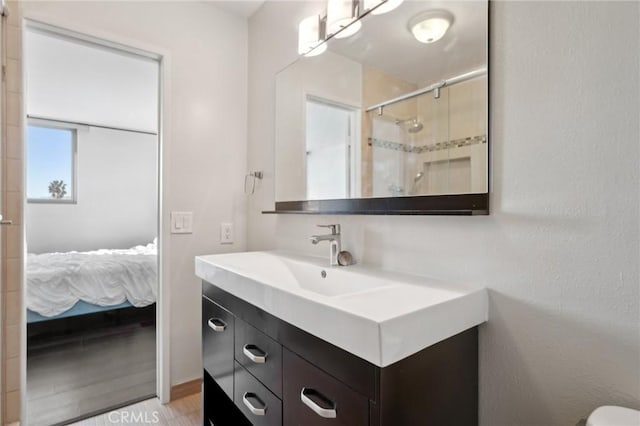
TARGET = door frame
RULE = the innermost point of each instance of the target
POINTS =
(162, 56)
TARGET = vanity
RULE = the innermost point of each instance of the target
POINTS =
(289, 340)
(385, 112)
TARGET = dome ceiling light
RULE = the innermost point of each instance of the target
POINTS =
(430, 26)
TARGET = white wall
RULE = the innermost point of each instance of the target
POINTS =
(559, 252)
(116, 200)
(205, 110)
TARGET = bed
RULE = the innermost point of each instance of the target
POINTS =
(61, 285)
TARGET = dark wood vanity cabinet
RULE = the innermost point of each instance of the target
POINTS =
(261, 370)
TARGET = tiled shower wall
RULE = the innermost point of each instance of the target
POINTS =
(12, 235)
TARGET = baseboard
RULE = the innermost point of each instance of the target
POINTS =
(185, 389)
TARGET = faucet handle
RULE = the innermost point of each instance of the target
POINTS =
(335, 228)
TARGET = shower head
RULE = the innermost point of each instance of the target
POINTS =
(411, 124)
(418, 177)
(415, 126)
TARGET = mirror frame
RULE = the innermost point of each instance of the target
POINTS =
(470, 204)
(456, 204)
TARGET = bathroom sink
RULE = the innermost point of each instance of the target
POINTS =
(300, 274)
(377, 315)
(331, 281)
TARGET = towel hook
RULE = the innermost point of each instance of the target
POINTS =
(254, 175)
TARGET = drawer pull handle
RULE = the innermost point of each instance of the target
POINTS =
(258, 359)
(327, 413)
(254, 410)
(217, 325)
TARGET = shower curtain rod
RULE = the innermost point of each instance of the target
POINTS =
(436, 86)
(76, 123)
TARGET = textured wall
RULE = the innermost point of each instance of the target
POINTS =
(559, 252)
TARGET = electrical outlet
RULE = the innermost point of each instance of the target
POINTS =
(226, 233)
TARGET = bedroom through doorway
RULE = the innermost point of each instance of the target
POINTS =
(91, 224)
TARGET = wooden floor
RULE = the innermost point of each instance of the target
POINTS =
(78, 377)
(182, 412)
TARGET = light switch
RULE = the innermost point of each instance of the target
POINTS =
(181, 222)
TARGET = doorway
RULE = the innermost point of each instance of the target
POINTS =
(92, 225)
(331, 154)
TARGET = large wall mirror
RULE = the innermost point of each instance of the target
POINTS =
(390, 120)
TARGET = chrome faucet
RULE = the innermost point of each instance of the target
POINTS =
(334, 242)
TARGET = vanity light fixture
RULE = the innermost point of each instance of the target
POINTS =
(385, 6)
(341, 21)
(430, 26)
(341, 15)
(311, 37)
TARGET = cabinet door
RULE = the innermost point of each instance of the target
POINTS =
(217, 344)
(312, 397)
(255, 401)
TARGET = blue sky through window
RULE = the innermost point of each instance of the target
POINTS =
(49, 158)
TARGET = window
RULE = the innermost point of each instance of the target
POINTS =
(51, 153)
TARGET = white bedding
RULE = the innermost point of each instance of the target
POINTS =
(56, 281)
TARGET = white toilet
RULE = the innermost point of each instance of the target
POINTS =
(610, 415)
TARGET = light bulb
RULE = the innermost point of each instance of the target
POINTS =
(309, 36)
(340, 13)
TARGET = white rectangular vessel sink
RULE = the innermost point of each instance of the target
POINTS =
(377, 315)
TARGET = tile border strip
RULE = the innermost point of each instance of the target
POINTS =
(439, 146)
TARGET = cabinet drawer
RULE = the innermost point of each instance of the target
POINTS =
(260, 355)
(312, 397)
(217, 344)
(256, 402)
